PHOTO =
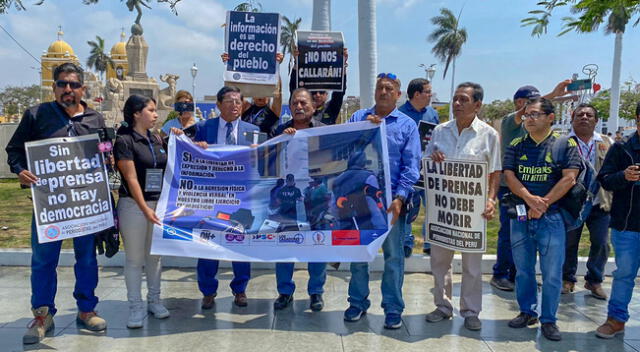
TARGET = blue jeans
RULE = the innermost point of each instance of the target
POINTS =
(392, 277)
(317, 278)
(598, 225)
(504, 267)
(208, 284)
(626, 245)
(545, 236)
(44, 280)
(408, 236)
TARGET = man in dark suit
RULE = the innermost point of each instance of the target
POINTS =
(227, 129)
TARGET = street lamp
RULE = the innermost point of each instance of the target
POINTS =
(194, 73)
(430, 71)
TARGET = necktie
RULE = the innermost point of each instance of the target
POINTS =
(231, 139)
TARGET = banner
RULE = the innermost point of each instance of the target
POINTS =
(317, 196)
(71, 197)
(456, 192)
(425, 129)
(251, 40)
(320, 62)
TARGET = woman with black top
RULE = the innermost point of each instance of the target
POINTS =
(141, 158)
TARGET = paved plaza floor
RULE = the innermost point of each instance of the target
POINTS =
(258, 328)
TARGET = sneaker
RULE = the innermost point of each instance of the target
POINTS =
(240, 299)
(610, 329)
(353, 313)
(502, 284)
(282, 302)
(208, 301)
(41, 324)
(472, 323)
(316, 303)
(596, 290)
(407, 251)
(91, 321)
(392, 321)
(437, 315)
(136, 315)
(551, 331)
(567, 287)
(522, 320)
(158, 310)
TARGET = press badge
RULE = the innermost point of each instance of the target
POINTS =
(521, 212)
(153, 180)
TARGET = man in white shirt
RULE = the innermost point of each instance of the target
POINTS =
(465, 137)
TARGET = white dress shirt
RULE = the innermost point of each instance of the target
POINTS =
(222, 130)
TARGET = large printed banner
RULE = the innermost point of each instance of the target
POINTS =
(320, 62)
(317, 196)
(456, 192)
(71, 197)
(252, 41)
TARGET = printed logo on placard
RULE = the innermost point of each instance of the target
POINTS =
(291, 238)
(236, 76)
(263, 238)
(52, 232)
(235, 238)
(174, 233)
(345, 238)
(206, 235)
(318, 238)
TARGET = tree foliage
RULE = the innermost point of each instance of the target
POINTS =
(287, 36)
(629, 98)
(13, 99)
(98, 59)
(448, 37)
(249, 6)
(19, 5)
(497, 109)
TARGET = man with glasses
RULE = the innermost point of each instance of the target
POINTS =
(537, 182)
(592, 147)
(418, 108)
(68, 115)
(620, 174)
(468, 138)
(226, 129)
(404, 156)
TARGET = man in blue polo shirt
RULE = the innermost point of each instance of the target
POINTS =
(418, 108)
(404, 156)
(539, 182)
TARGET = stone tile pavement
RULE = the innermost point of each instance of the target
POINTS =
(258, 328)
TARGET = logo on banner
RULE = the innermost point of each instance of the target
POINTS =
(345, 238)
(263, 238)
(206, 235)
(52, 232)
(296, 238)
(236, 76)
(235, 238)
(318, 238)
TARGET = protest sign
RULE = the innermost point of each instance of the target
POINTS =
(425, 129)
(71, 197)
(456, 195)
(252, 41)
(320, 62)
(317, 196)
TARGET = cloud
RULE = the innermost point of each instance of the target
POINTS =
(202, 14)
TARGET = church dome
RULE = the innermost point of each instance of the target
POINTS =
(120, 48)
(60, 46)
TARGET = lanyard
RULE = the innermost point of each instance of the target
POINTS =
(588, 156)
(153, 152)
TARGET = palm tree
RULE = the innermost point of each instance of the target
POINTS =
(449, 38)
(97, 57)
(287, 36)
(367, 46)
(248, 6)
(592, 13)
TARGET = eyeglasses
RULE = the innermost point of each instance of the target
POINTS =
(533, 115)
(318, 92)
(72, 84)
(232, 101)
(388, 75)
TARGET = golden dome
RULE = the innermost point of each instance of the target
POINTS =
(60, 46)
(119, 49)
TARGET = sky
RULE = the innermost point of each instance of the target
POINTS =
(499, 53)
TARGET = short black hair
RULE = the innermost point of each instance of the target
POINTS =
(478, 92)
(416, 86)
(290, 178)
(69, 67)
(545, 105)
(226, 89)
(585, 105)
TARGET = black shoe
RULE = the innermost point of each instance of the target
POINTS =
(315, 302)
(551, 331)
(426, 251)
(407, 251)
(502, 284)
(282, 302)
(522, 320)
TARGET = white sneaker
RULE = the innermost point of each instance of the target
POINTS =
(158, 310)
(136, 315)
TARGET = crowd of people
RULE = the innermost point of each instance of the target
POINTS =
(531, 170)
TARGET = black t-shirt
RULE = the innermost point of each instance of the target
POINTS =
(288, 196)
(262, 117)
(135, 147)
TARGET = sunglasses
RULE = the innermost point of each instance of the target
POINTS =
(63, 84)
(318, 92)
(388, 75)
